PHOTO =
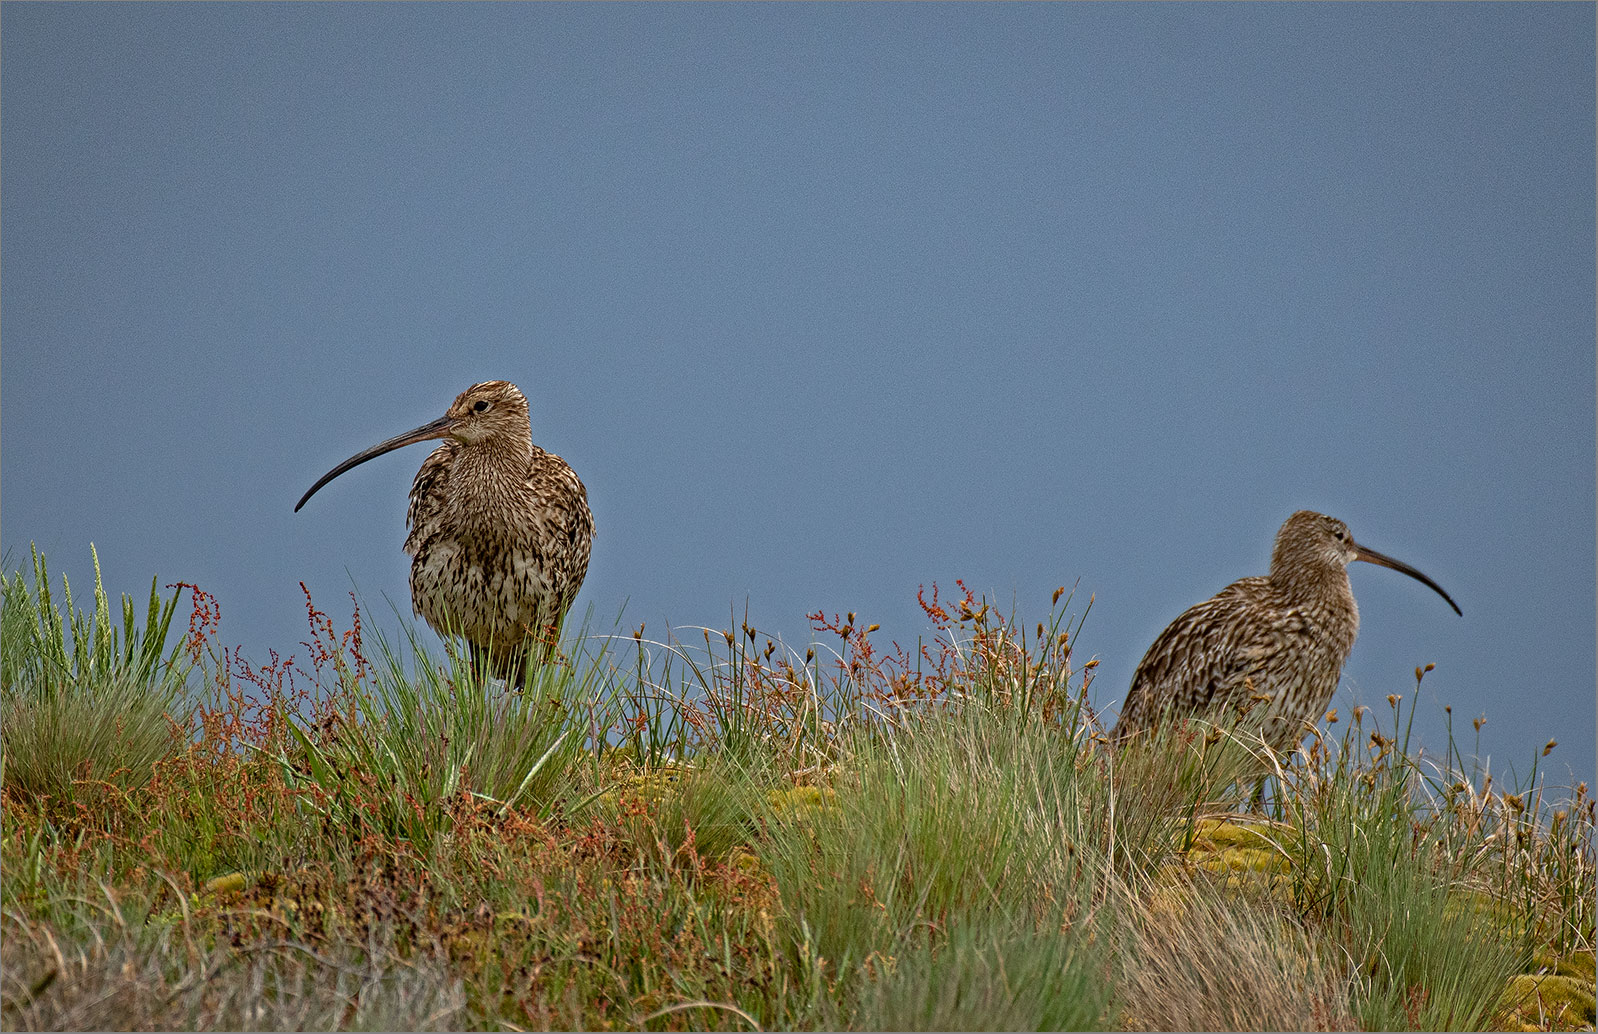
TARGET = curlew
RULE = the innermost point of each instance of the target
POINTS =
(499, 529)
(1277, 642)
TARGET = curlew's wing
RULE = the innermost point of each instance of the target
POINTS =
(427, 495)
(1206, 660)
(564, 524)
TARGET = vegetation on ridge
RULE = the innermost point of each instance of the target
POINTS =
(726, 832)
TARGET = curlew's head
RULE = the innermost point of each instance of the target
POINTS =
(1313, 546)
(492, 411)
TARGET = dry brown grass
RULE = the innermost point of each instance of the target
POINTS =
(113, 978)
(1199, 958)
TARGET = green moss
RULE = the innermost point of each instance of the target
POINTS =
(650, 787)
(801, 801)
(1548, 1002)
(1226, 846)
(228, 883)
(1578, 966)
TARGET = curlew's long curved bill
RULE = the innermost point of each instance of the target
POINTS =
(436, 429)
(1370, 556)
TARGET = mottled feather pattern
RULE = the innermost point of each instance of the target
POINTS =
(500, 547)
(499, 530)
(1244, 643)
(1274, 645)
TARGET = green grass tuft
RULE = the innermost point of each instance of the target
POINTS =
(86, 707)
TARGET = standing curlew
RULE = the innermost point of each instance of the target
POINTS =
(1279, 641)
(500, 530)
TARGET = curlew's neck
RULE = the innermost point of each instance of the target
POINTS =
(1321, 592)
(486, 475)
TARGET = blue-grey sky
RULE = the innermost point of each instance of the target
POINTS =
(825, 303)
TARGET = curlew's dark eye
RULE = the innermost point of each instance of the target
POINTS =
(481, 406)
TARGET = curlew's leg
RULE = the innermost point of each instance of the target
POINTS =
(490, 666)
(481, 663)
(540, 648)
(512, 666)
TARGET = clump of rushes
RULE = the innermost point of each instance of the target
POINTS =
(86, 706)
(1380, 868)
(406, 750)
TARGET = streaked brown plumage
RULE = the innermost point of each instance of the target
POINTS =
(1276, 642)
(500, 530)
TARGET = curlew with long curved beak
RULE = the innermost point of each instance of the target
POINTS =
(1279, 640)
(499, 530)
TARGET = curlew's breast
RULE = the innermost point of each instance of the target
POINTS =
(498, 551)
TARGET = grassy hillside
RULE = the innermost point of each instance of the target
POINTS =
(725, 832)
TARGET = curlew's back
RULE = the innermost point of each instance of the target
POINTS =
(1252, 639)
